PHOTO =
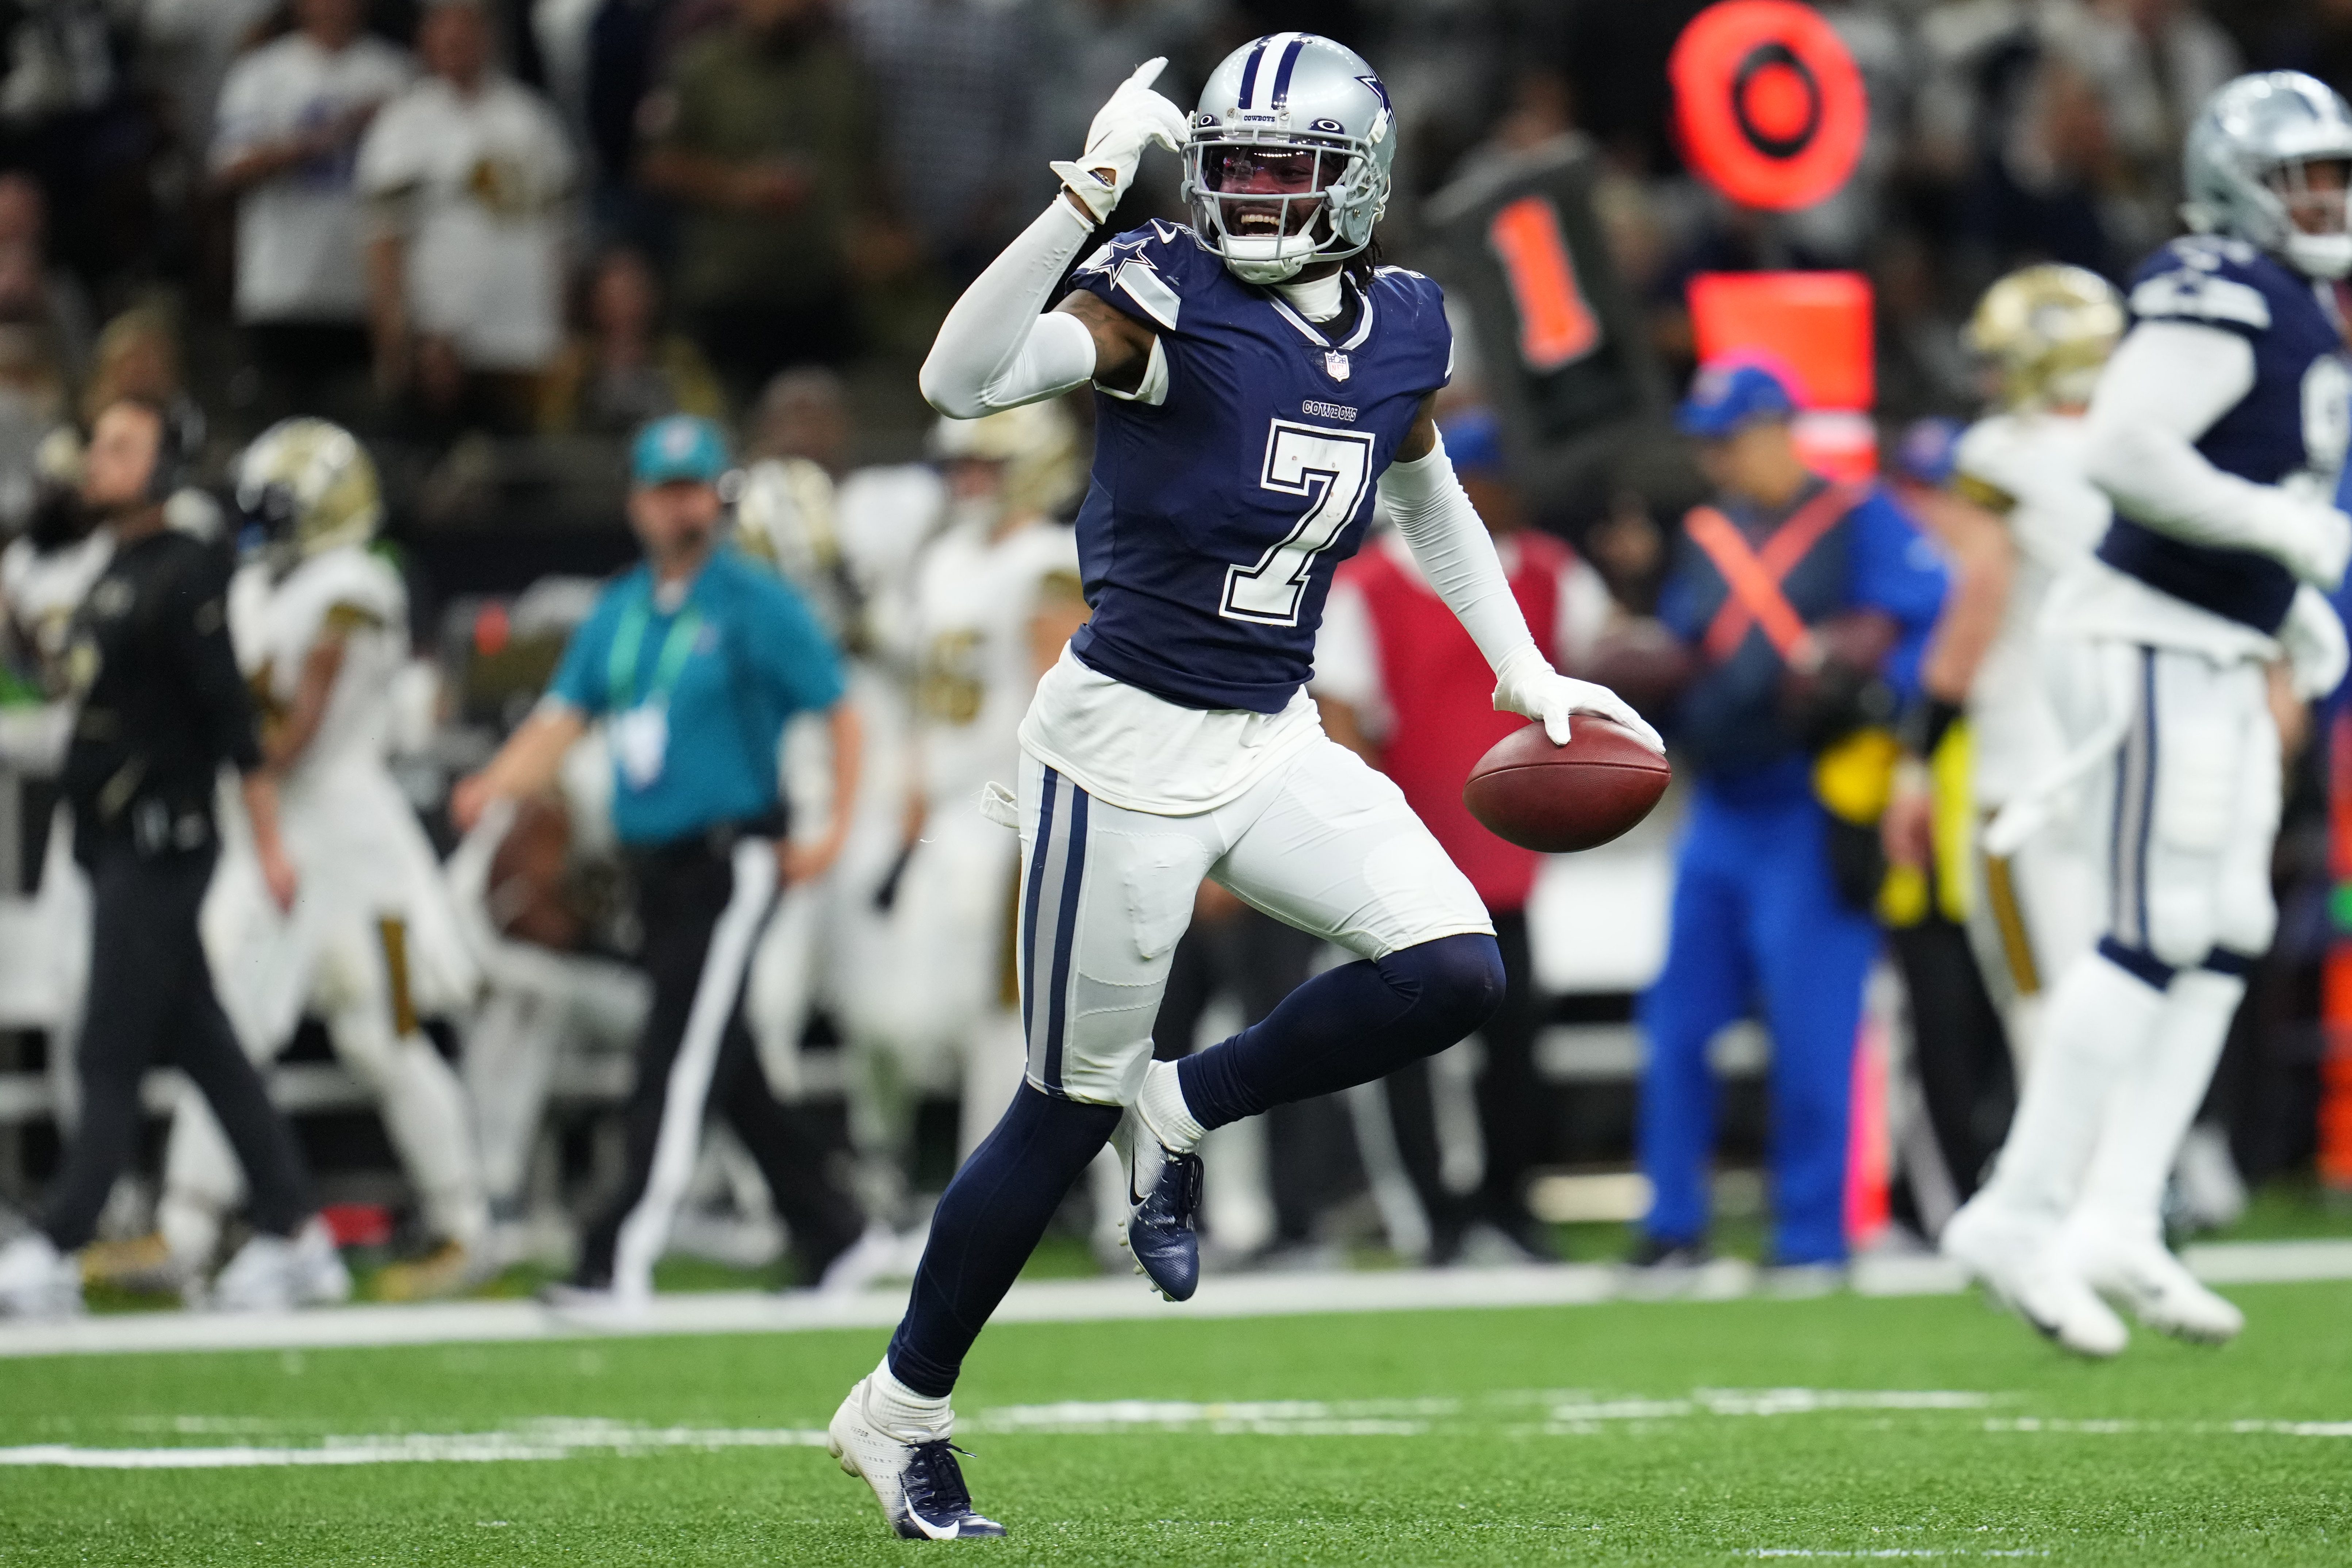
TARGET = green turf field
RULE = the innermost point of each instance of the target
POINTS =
(1622, 1433)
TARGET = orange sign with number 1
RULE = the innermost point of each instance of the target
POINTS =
(1556, 326)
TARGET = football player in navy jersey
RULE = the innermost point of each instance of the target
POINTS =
(2216, 431)
(1259, 380)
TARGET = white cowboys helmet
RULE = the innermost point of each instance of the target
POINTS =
(2246, 168)
(1287, 162)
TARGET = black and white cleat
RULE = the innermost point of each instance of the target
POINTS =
(919, 1485)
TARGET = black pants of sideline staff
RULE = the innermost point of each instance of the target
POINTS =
(701, 924)
(151, 1003)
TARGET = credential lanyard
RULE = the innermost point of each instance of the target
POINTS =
(621, 671)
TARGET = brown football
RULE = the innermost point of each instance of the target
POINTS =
(1560, 798)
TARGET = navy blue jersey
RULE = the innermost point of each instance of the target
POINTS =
(2295, 420)
(1210, 532)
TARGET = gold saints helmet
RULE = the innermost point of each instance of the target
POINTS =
(2047, 330)
(310, 485)
(1038, 445)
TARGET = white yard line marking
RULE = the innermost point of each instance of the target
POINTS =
(1045, 1301)
(553, 1440)
(2201, 1428)
(1570, 1414)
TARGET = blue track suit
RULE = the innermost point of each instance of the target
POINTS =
(1757, 924)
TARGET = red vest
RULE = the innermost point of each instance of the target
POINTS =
(1441, 701)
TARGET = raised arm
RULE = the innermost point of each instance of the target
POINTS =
(1000, 347)
(1434, 514)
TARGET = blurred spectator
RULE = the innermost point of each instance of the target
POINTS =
(466, 171)
(623, 56)
(764, 134)
(68, 114)
(1400, 682)
(190, 46)
(624, 367)
(137, 357)
(954, 79)
(291, 116)
(801, 414)
(1086, 49)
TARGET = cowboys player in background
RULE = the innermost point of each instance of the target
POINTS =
(1257, 377)
(2216, 431)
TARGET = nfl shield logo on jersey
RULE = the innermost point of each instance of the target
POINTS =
(1337, 364)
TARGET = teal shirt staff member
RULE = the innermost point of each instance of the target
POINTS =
(695, 685)
(695, 660)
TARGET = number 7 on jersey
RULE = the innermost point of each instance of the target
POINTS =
(1334, 467)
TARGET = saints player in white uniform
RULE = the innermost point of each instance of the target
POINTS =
(2047, 331)
(995, 596)
(2216, 431)
(321, 626)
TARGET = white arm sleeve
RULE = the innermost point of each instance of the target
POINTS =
(1000, 347)
(2166, 387)
(1436, 520)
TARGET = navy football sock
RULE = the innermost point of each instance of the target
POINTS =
(987, 1224)
(1347, 1026)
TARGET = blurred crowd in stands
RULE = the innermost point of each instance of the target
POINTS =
(460, 227)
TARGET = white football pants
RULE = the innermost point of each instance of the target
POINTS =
(2031, 916)
(1323, 842)
(360, 988)
(2178, 823)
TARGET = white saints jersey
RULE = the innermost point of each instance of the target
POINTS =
(2029, 468)
(353, 837)
(973, 600)
(351, 592)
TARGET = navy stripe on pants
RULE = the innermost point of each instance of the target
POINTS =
(1057, 866)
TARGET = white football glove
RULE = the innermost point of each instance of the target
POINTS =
(2306, 533)
(1134, 116)
(2314, 641)
(1528, 686)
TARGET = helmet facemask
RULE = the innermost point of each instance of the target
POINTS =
(2315, 226)
(1271, 201)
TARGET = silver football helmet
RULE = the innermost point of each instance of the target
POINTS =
(1288, 158)
(2247, 163)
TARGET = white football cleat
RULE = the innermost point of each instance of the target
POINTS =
(2021, 1268)
(37, 1281)
(2157, 1289)
(278, 1274)
(919, 1485)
